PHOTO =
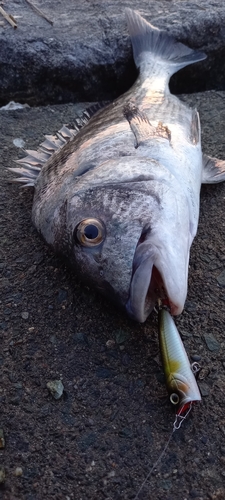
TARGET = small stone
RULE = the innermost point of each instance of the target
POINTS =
(18, 471)
(2, 439)
(18, 385)
(125, 433)
(80, 338)
(53, 339)
(121, 336)
(221, 278)
(2, 475)
(112, 473)
(195, 357)
(211, 342)
(110, 343)
(204, 389)
(25, 315)
(190, 306)
(56, 388)
(62, 295)
(19, 143)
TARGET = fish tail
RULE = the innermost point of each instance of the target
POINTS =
(152, 46)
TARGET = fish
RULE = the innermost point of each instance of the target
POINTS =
(117, 192)
(180, 379)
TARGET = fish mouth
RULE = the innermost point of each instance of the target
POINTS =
(149, 283)
(142, 302)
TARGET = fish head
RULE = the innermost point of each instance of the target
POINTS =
(160, 264)
(105, 233)
(125, 226)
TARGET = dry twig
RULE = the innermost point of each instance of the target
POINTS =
(8, 18)
(39, 12)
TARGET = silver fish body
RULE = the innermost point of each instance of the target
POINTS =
(120, 199)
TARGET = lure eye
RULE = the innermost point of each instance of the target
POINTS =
(174, 398)
(90, 232)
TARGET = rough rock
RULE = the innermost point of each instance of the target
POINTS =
(221, 278)
(211, 342)
(56, 388)
(86, 53)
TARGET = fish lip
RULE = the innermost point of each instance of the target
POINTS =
(156, 275)
(142, 302)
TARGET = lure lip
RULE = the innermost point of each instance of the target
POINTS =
(180, 379)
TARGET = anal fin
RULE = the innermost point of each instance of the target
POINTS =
(213, 170)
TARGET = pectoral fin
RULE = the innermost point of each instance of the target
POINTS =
(141, 127)
(213, 170)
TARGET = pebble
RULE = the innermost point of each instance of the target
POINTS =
(195, 357)
(53, 339)
(190, 306)
(18, 471)
(18, 385)
(211, 342)
(221, 278)
(121, 336)
(125, 433)
(204, 389)
(2, 439)
(80, 338)
(19, 143)
(110, 343)
(2, 475)
(62, 295)
(56, 388)
(25, 315)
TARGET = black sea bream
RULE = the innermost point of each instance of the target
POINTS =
(119, 197)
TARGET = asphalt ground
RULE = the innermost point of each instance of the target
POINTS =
(100, 439)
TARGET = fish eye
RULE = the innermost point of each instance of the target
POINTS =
(90, 232)
(174, 398)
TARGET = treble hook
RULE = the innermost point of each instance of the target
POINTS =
(196, 368)
(180, 418)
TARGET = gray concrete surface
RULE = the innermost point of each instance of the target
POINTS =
(86, 54)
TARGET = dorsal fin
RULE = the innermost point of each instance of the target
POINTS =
(34, 161)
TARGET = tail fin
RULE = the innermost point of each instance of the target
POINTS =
(151, 44)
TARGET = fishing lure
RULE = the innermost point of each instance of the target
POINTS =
(180, 379)
(179, 374)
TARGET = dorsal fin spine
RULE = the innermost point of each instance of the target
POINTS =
(34, 161)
